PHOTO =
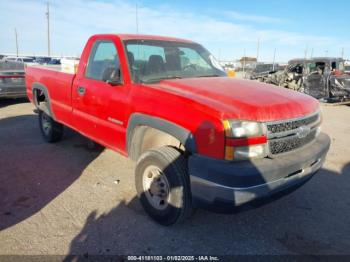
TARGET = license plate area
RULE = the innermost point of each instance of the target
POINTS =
(16, 80)
(13, 80)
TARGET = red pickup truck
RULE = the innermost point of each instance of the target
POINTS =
(200, 139)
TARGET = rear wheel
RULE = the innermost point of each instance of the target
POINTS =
(51, 130)
(163, 185)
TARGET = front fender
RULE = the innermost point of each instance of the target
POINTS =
(182, 134)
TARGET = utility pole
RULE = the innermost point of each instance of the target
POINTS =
(274, 59)
(48, 29)
(244, 63)
(257, 50)
(16, 42)
(306, 49)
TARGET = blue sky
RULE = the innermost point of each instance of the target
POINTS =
(227, 28)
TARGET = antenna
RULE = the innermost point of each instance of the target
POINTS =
(137, 19)
(16, 42)
(48, 28)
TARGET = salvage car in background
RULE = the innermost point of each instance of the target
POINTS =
(323, 78)
(347, 67)
(22, 59)
(262, 71)
(12, 84)
(42, 60)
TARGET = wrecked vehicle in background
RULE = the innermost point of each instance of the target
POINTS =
(262, 71)
(323, 78)
(347, 67)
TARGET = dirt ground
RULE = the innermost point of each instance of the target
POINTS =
(69, 198)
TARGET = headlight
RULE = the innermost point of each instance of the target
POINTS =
(240, 129)
(244, 140)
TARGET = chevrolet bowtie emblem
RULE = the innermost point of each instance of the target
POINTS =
(303, 131)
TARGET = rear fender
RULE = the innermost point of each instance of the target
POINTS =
(45, 106)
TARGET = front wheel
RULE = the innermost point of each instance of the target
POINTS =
(163, 185)
(51, 130)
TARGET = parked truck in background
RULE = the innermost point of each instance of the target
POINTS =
(200, 139)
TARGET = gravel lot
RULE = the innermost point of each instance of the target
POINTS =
(69, 198)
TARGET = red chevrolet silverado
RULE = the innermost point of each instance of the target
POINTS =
(200, 139)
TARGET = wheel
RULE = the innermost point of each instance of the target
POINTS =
(51, 130)
(163, 185)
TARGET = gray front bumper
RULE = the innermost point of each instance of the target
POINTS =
(218, 182)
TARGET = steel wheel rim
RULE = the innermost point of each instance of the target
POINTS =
(156, 187)
(46, 123)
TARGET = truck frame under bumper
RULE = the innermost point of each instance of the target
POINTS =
(218, 185)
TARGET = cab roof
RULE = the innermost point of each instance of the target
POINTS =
(150, 37)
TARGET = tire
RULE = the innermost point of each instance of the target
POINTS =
(51, 130)
(164, 171)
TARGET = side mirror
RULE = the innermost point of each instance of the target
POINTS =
(114, 82)
(112, 77)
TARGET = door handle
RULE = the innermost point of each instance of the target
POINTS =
(81, 90)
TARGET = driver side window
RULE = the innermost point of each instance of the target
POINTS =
(103, 64)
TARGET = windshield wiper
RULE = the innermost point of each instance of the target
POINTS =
(162, 78)
(214, 75)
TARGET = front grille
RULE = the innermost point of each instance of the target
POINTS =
(283, 135)
(287, 144)
(290, 125)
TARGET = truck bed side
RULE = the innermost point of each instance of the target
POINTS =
(57, 86)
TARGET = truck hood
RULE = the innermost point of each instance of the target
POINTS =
(241, 99)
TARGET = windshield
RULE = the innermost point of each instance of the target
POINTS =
(154, 60)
